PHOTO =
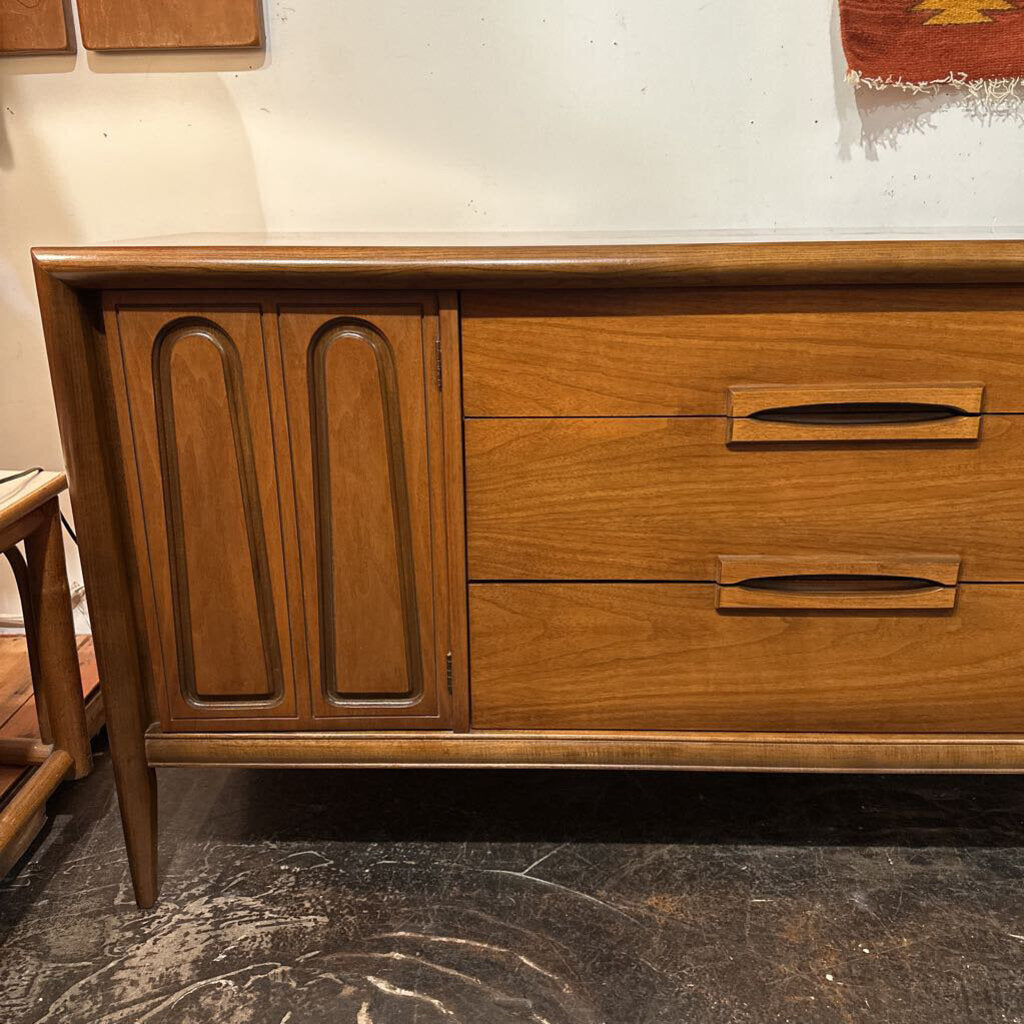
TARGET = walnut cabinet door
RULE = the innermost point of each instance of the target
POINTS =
(201, 473)
(284, 465)
(363, 406)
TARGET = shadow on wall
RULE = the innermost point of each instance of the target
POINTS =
(176, 61)
(876, 119)
(87, 158)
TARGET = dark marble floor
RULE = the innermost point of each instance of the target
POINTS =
(499, 897)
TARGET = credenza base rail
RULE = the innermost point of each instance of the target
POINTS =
(804, 752)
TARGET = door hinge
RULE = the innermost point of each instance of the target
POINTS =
(437, 353)
(448, 671)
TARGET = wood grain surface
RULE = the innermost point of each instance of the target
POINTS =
(170, 24)
(661, 499)
(323, 262)
(659, 656)
(36, 27)
(32, 796)
(363, 415)
(617, 470)
(689, 751)
(19, 497)
(96, 468)
(673, 352)
(316, 529)
(197, 432)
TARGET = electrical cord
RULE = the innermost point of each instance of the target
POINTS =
(25, 472)
(67, 526)
(35, 471)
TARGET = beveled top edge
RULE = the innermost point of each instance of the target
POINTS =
(706, 264)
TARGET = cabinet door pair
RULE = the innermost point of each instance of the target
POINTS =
(284, 458)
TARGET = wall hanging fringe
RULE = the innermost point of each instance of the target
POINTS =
(973, 45)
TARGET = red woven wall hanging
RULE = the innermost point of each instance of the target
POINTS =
(920, 43)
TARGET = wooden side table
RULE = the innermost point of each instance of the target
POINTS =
(29, 512)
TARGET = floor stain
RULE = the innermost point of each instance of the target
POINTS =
(477, 897)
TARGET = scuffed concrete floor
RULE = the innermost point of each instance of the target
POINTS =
(501, 897)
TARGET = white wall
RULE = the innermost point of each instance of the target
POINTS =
(381, 115)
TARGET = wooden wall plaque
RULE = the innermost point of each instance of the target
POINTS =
(170, 24)
(36, 26)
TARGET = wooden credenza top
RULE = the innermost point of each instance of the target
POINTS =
(510, 265)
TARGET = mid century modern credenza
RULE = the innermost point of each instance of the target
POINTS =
(666, 506)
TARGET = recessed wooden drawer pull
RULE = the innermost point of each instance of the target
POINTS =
(770, 582)
(874, 412)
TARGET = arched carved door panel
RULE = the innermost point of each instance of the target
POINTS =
(361, 395)
(195, 408)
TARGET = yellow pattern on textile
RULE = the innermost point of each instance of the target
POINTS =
(962, 12)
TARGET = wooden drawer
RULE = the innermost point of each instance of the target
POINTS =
(661, 498)
(671, 352)
(661, 657)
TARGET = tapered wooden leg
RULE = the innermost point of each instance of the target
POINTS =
(56, 652)
(136, 794)
(76, 347)
(60, 685)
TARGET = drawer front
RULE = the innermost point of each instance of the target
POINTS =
(670, 352)
(662, 657)
(662, 498)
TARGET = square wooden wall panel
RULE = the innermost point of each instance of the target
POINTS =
(36, 26)
(170, 24)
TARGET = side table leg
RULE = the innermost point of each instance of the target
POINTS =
(60, 680)
(20, 570)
